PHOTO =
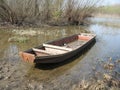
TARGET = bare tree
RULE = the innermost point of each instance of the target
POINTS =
(30, 11)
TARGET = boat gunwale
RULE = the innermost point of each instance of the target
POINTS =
(30, 51)
(40, 57)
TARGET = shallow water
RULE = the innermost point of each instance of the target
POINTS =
(64, 75)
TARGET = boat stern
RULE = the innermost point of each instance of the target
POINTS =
(27, 57)
(86, 36)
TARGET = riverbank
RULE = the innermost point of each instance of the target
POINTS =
(106, 15)
(110, 11)
(107, 20)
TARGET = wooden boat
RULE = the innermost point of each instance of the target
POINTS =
(58, 50)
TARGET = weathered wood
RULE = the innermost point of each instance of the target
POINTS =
(76, 44)
(27, 57)
(55, 51)
(41, 51)
(57, 47)
(48, 51)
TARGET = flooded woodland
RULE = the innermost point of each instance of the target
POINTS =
(16, 74)
(97, 67)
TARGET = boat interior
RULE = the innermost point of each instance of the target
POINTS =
(63, 45)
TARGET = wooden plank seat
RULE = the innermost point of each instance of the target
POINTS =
(57, 47)
(41, 51)
(52, 50)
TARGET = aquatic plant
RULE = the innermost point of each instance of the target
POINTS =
(28, 32)
(110, 77)
(20, 39)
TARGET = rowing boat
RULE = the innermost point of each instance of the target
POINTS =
(58, 50)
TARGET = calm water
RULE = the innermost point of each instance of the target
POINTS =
(63, 76)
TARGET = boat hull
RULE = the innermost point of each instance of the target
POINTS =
(62, 57)
(30, 56)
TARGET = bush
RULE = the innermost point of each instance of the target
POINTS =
(46, 11)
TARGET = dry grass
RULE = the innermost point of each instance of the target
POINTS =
(110, 78)
(20, 39)
(110, 24)
(29, 32)
(112, 10)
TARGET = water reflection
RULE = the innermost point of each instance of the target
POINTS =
(11, 52)
(108, 40)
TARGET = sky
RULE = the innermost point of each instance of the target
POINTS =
(110, 2)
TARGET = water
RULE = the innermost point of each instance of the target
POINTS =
(108, 20)
(61, 76)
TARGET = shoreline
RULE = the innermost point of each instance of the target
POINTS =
(106, 15)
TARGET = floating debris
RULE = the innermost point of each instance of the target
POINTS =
(108, 80)
(99, 85)
(109, 66)
(107, 77)
(84, 84)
